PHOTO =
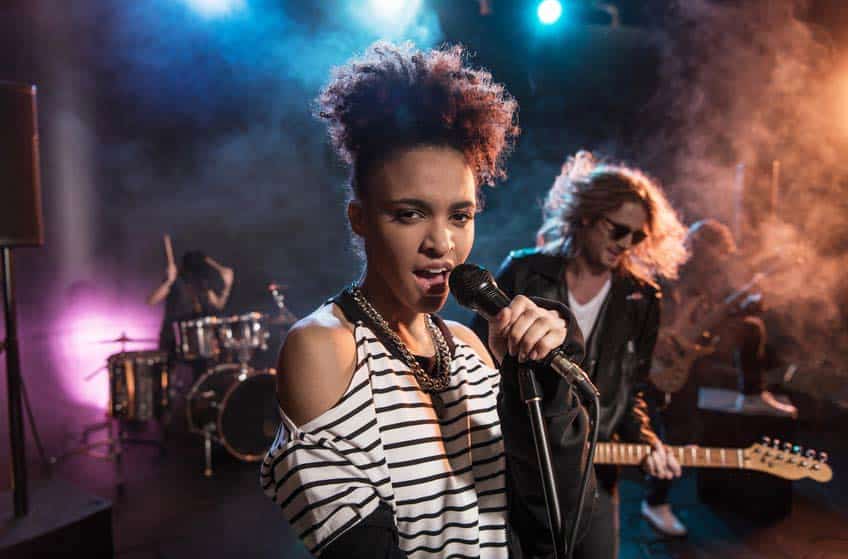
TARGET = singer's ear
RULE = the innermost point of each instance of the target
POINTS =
(355, 214)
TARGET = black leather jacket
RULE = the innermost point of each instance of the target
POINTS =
(618, 353)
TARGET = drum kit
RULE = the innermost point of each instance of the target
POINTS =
(231, 403)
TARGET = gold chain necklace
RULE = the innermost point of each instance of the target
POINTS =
(428, 383)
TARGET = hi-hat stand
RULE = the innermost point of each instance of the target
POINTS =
(115, 445)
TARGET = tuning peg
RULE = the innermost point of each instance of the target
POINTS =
(823, 457)
(797, 449)
(766, 440)
(776, 444)
(811, 454)
(787, 447)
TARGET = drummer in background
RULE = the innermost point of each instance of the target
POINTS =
(200, 287)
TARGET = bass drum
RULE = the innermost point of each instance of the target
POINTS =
(237, 406)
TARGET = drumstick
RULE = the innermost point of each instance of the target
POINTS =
(169, 251)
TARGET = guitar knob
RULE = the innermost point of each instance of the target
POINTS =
(796, 449)
(787, 447)
(776, 444)
(811, 454)
(766, 440)
(823, 457)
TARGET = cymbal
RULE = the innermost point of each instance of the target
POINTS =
(124, 339)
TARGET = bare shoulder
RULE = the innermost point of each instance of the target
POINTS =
(315, 364)
(467, 335)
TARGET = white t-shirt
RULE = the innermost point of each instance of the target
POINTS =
(587, 314)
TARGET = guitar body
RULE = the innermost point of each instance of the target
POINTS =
(678, 344)
(670, 370)
(676, 351)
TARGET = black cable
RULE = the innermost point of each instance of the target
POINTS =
(45, 462)
(590, 463)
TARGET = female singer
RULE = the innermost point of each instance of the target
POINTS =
(400, 436)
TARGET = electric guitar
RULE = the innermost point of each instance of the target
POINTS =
(682, 342)
(773, 457)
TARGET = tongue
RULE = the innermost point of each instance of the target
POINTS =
(431, 281)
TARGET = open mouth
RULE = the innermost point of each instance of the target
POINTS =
(432, 279)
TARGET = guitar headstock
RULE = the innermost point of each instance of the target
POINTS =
(783, 459)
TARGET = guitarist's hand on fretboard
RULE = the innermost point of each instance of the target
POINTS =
(661, 463)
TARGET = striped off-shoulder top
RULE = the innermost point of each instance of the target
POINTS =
(437, 462)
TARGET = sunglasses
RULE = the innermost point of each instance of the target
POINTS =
(619, 231)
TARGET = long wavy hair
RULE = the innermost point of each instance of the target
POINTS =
(586, 190)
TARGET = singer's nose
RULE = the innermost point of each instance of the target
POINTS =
(439, 240)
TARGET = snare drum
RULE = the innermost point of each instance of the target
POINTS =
(138, 384)
(197, 338)
(237, 405)
(243, 332)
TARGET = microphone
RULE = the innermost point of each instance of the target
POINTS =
(475, 288)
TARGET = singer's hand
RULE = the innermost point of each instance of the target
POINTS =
(661, 463)
(525, 330)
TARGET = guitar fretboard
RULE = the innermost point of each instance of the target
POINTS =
(692, 456)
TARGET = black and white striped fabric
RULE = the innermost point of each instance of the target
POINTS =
(440, 468)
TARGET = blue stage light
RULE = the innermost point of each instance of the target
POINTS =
(214, 8)
(389, 19)
(391, 9)
(549, 11)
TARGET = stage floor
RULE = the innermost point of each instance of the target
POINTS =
(168, 509)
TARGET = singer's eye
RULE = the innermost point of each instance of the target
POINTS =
(408, 215)
(462, 218)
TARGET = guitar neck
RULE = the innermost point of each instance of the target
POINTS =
(624, 454)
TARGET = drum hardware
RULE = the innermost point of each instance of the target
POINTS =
(115, 445)
(138, 391)
(284, 316)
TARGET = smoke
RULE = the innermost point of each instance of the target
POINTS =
(202, 127)
(160, 119)
(746, 84)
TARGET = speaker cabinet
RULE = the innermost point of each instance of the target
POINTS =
(20, 184)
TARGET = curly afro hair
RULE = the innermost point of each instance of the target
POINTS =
(396, 97)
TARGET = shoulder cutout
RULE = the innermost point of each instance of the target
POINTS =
(316, 364)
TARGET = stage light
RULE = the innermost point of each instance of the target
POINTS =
(392, 9)
(215, 8)
(389, 19)
(549, 11)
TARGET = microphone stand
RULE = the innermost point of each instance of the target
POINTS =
(531, 393)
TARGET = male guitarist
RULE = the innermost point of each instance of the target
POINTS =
(609, 231)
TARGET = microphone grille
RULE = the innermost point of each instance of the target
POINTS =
(466, 280)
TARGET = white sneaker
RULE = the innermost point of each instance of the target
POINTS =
(765, 403)
(663, 520)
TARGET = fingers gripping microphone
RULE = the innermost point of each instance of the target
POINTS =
(475, 288)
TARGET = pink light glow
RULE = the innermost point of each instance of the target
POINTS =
(77, 344)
